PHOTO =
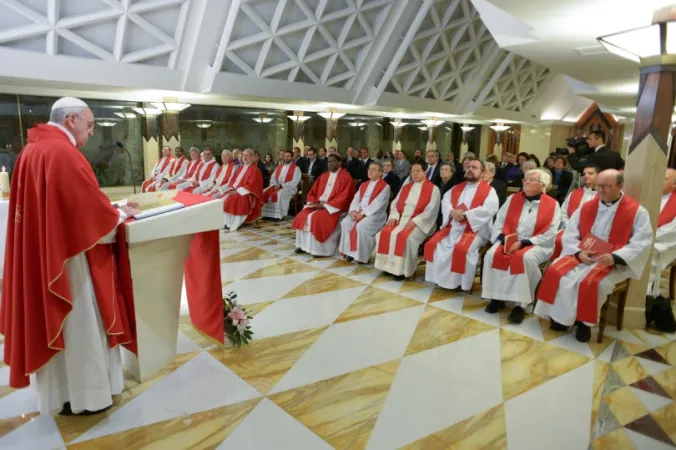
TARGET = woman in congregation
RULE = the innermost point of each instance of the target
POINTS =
(413, 217)
(270, 165)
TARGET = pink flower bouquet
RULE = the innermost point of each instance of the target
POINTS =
(237, 322)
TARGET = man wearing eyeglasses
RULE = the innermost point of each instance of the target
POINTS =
(66, 324)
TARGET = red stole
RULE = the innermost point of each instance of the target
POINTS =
(668, 213)
(206, 170)
(378, 188)
(228, 173)
(514, 261)
(161, 168)
(176, 166)
(403, 235)
(620, 233)
(193, 166)
(271, 194)
(574, 202)
(461, 247)
(246, 205)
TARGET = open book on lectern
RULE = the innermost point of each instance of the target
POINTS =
(154, 203)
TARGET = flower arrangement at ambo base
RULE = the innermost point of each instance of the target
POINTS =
(237, 321)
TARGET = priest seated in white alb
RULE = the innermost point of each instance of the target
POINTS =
(468, 210)
(523, 238)
(664, 252)
(606, 241)
(317, 230)
(283, 186)
(367, 216)
(243, 197)
(160, 169)
(413, 217)
(204, 175)
(221, 177)
(573, 202)
(172, 180)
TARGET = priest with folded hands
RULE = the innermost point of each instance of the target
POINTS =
(468, 210)
(317, 227)
(283, 186)
(664, 252)
(523, 238)
(159, 171)
(171, 181)
(413, 217)
(204, 175)
(367, 216)
(221, 177)
(607, 241)
(244, 194)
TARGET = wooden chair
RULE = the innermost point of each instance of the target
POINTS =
(672, 280)
(298, 200)
(621, 290)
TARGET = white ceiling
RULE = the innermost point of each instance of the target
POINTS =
(390, 57)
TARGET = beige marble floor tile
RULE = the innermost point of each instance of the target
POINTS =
(630, 370)
(597, 348)
(412, 285)
(255, 308)
(634, 348)
(285, 266)
(251, 254)
(615, 440)
(362, 270)
(486, 430)
(439, 294)
(5, 390)
(322, 282)
(439, 327)
(667, 380)
(341, 410)
(341, 263)
(600, 373)
(668, 352)
(194, 335)
(204, 430)
(527, 363)
(375, 301)
(9, 425)
(264, 362)
(666, 417)
(230, 243)
(625, 406)
(547, 333)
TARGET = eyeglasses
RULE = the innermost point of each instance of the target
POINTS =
(90, 124)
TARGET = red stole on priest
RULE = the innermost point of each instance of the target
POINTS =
(270, 194)
(620, 233)
(461, 247)
(514, 261)
(668, 213)
(249, 205)
(176, 166)
(229, 169)
(377, 189)
(573, 204)
(160, 167)
(56, 211)
(323, 223)
(386, 233)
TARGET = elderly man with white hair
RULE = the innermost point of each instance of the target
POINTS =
(206, 172)
(65, 325)
(160, 170)
(283, 186)
(523, 238)
(244, 194)
(221, 177)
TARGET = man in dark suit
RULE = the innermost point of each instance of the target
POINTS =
(433, 167)
(390, 177)
(488, 175)
(322, 156)
(505, 165)
(364, 163)
(561, 178)
(351, 164)
(314, 166)
(603, 157)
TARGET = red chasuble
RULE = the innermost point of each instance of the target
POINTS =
(402, 236)
(668, 213)
(380, 185)
(56, 211)
(270, 194)
(323, 223)
(573, 204)
(514, 262)
(460, 249)
(620, 233)
(149, 184)
(249, 205)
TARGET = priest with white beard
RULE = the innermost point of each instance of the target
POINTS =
(523, 238)
(367, 216)
(573, 202)
(577, 285)
(283, 186)
(413, 217)
(468, 210)
(664, 252)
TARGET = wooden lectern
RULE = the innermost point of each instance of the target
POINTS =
(158, 247)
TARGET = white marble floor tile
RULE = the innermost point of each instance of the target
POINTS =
(438, 388)
(391, 286)
(652, 402)
(653, 367)
(650, 339)
(269, 427)
(343, 271)
(607, 354)
(236, 270)
(555, 415)
(303, 313)
(199, 385)
(419, 295)
(643, 442)
(40, 433)
(623, 335)
(321, 263)
(302, 257)
(529, 327)
(186, 345)
(569, 342)
(483, 316)
(4, 374)
(21, 401)
(225, 252)
(353, 345)
(366, 278)
(267, 288)
(453, 305)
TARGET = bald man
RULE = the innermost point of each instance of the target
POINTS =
(665, 241)
(577, 284)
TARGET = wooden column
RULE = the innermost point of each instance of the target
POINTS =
(331, 133)
(151, 144)
(647, 162)
(170, 132)
(431, 138)
(298, 129)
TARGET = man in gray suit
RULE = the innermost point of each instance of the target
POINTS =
(401, 166)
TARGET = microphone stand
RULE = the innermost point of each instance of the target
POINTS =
(131, 168)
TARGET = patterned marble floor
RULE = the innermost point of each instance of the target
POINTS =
(346, 358)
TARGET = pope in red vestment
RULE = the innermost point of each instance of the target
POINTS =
(60, 271)
(244, 194)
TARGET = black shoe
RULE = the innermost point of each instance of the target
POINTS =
(517, 315)
(399, 278)
(494, 306)
(86, 412)
(66, 411)
(349, 259)
(299, 250)
(556, 326)
(583, 333)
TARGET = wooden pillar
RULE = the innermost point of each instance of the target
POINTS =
(298, 129)
(331, 133)
(396, 141)
(170, 132)
(647, 162)
(431, 138)
(151, 144)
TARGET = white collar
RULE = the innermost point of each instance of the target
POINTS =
(65, 130)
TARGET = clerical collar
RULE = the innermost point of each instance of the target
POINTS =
(533, 198)
(592, 189)
(609, 204)
(65, 130)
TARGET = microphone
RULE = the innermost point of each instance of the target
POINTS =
(131, 168)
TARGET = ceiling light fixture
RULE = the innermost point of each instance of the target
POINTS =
(332, 115)
(466, 128)
(300, 119)
(106, 123)
(125, 115)
(170, 106)
(433, 122)
(500, 127)
(148, 111)
(204, 124)
(398, 124)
